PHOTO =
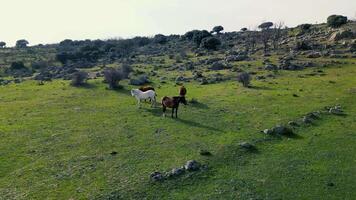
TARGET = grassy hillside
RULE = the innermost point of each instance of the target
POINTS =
(56, 140)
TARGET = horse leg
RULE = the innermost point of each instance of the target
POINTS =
(176, 112)
(164, 111)
(172, 112)
(139, 103)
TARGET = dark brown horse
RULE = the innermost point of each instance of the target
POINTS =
(146, 88)
(172, 103)
(182, 91)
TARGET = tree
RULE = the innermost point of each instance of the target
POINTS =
(199, 36)
(277, 34)
(210, 43)
(21, 43)
(112, 77)
(79, 78)
(335, 21)
(2, 44)
(244, 78)
(265, 25)
(160, 39)
(243, 29)
(217, 29)
(265, 34)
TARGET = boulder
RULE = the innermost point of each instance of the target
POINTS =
(156, 176)
(342, 34)
(192, 165)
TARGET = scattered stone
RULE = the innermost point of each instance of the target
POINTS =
(246, 145)
(176, 172)
(295, 95)
(113, 153)
(268, 131)
(156, 176)
(271, 67)
(336, 110)
(307, 120)
(293, 123)
(282, 130)
(192, 165)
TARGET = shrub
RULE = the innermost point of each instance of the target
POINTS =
(265, 25)
(126, 69)
(302, 46)
(39, 65)
(305, 27)
(336, 21)
(112, 77)
(244, 78)
(2, 44)
(160, 39)
(79, 78)
(210, 43)
(21, 43)
(217, 29)
(17, 66)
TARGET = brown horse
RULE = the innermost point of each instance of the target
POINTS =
(172, 103)
(146, 88)
(182, 91)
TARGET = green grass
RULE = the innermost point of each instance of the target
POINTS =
(56, 141)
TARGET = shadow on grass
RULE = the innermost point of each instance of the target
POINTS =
(121, 90)
(196, 124)
(260, 87)
(198, 105)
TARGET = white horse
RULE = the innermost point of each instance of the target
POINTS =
(139, 95)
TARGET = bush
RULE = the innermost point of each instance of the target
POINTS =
(335, 21)
(244, 78)
(305, 27)
(210, 43)
(79, 78)
(39, 65)
(21, 43)
(217, 29)
(302, 46)
(112, 77)
(17, 66)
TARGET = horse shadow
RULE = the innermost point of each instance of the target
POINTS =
(259, 87)
(122, 90)
(199, 105)
(196, 124)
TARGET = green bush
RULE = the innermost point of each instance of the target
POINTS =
(336, 21)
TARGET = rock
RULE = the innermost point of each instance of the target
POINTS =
(141, 80)
(293, 123)
(336, 110)
(314, 54)
(282, 130)
(307, 120)
(271, 67)
(313, 115)
(234, 58)
(217, 66)
(192, 165)
(180, 79)
(176, 172)
(156, 176)
(246, 145)
(113, 153)
(342, 34)
(268, 131)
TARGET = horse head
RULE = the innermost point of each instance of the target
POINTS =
(183, 100)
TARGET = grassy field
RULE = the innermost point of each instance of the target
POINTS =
(56, 140)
